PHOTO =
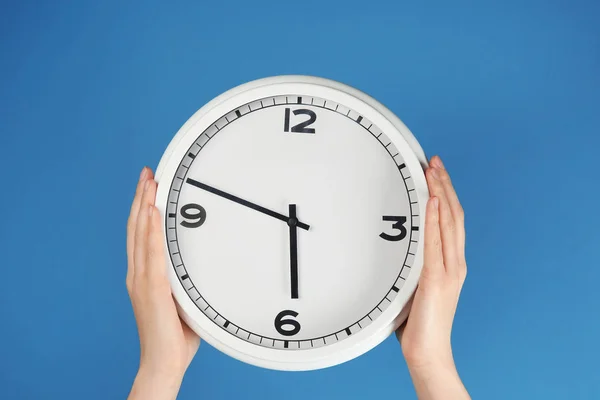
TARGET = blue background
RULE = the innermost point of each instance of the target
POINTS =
(508, 92)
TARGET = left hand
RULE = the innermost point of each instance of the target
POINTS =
(167, 343)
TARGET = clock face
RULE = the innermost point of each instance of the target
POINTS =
(292, 224)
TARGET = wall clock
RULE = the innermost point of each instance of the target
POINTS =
(293, 210)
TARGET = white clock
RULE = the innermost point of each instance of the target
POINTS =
(293, 210)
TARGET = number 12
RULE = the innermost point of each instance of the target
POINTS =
(302, 127)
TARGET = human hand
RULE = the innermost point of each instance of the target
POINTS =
(425, 338)
(167, 344)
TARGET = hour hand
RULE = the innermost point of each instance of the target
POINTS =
(243, 202)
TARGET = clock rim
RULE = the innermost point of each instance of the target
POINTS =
(235, 91)
(321, 357)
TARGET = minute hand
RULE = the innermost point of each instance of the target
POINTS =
(244, 202)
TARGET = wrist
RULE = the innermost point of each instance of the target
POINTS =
(438, 379)
(438, 367)
(440, 359)
(431, 367)
(155, 384)
(164, 372)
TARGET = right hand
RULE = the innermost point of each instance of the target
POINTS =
(425, 338)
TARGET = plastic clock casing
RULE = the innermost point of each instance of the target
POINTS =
(415, 160)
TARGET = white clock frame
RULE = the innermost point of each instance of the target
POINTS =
(415, 160)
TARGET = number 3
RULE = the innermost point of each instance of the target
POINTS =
(399, 224)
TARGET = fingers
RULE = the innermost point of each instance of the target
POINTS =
(458, 215)
(433, 262)
(446, 219)
(132, 221)
(455, 206)
(141, 227)
(155, 261)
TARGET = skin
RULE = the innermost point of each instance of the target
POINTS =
(168, 345)
(425, 338)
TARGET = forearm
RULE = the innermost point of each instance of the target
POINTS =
(438, 382)
(149, 386)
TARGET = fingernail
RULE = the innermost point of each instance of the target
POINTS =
(150, 210)
(435, 173)
(146, 185)
(143, 173)
(435, 201)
